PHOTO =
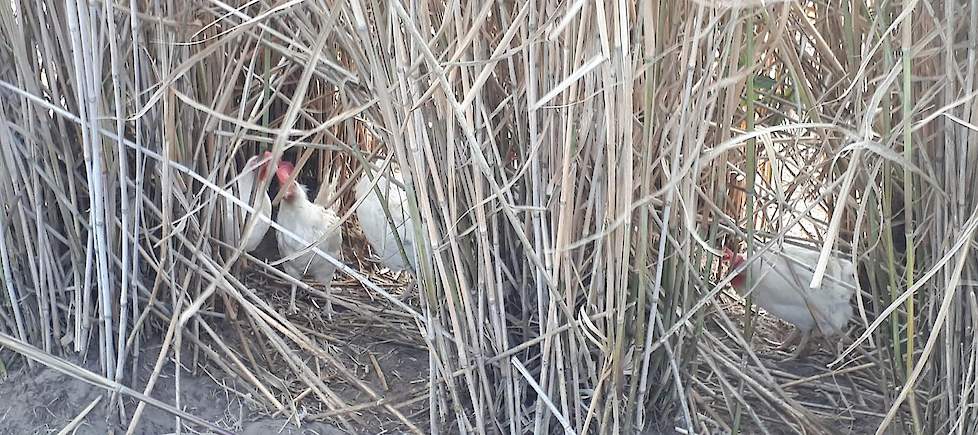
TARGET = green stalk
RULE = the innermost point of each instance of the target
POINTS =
(267, 64)
(908, 180)
(891, 266)
(751, 171)
(641, 329)
(887, 124)
(848, 35)
(906, 113)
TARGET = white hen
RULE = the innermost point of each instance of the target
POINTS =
(781, 287)
(378, 229)
(236, 219)
(314, 224)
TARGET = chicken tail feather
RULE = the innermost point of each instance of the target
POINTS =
(326, 196)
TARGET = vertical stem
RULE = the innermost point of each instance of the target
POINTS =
(886, 126)
(908, 178)
(79, 25)
(907, 113)
(751, 164)
(751, 172)
(123, 173)
(140, 161)
(641, 327)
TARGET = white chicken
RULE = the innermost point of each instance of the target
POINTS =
(314, 224)
(378, 229)
(255, 171)
(781, 286)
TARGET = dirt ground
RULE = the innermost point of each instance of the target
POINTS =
(845, 402)
(41, 400)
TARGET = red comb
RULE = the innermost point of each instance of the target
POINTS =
(285, 169)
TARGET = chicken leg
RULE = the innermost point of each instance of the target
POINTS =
(329, 304)
(803, 346)
(327, 280)
(292, 308)
(790, 341)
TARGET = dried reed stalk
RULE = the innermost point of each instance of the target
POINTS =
(573, 168)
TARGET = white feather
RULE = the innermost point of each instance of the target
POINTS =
(378, 229)
(236, 217)
(781, 288)
(313, 224)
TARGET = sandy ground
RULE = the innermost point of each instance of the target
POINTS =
(41, 400)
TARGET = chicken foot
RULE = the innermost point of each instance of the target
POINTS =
(295, 309)
(804, 347)
(802, 339)
(329, 303)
